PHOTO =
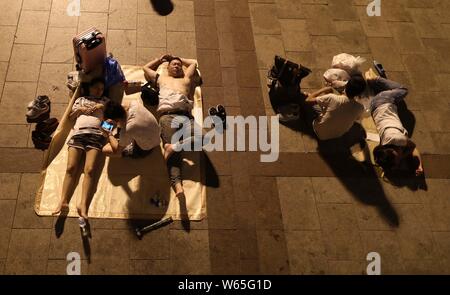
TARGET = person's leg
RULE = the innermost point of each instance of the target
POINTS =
(165, 122)
(174, 169)
(172, 158)
(89, 185)
(73, 159)
(386, 91)
(195, 140)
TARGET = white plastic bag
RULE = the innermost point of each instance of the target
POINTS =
(336, 78)
(347, 62)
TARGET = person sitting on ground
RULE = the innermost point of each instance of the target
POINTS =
(336, 114)
(87, 139)
(175, 88)
(139, 130)
(396, 149)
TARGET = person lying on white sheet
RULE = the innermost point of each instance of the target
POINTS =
(87, 138)
(174, 104)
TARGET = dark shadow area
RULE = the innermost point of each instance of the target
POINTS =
(185, 222)
(86, 246)
(211, 178)
(407, 178)
(162, 7)
(407, 117)
(60, 222)
(359, 178)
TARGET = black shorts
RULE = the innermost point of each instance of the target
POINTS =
(87, 141)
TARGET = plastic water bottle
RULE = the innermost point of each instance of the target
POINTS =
(83, 226)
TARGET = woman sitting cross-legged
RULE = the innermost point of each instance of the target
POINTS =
(87, 139)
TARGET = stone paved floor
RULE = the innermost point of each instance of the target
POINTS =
(296, 216)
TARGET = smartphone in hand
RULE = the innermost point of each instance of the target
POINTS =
(108, 127)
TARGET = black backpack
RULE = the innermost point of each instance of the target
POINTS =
(284, 81)
(150, 92)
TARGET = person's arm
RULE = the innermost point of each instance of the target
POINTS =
(112, 147)
(419, 170)
(191, 65)
(97, 106)
(311, 99)
(77, 109)
(416, 154)
(150, 68)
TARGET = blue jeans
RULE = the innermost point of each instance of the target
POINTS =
(386, 91)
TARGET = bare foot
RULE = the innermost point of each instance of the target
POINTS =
(62, 207)
(179, 191)
(168, 151)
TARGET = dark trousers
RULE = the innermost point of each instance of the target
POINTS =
(386, 91)
(167, 122)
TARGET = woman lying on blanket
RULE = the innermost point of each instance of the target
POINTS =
(87, 139)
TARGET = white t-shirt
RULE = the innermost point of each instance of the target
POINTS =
(389, 126)
(338, 115)
(141, 126)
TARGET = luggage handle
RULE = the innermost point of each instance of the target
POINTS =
(92, 43)
(87, 37)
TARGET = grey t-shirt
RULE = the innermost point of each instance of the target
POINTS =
(141, 127)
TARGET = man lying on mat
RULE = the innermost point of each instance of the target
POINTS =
(87, 139)
(139, 130)
(174, 105)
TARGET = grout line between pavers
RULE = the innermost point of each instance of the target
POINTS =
(37, 87)
(11, 51)
(15, 212)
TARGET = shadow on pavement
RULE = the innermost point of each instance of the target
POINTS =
(359, 178)
(162, 7)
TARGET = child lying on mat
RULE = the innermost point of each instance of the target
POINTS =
(87, 139)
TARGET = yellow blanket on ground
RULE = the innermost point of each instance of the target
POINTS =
(126, 186)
